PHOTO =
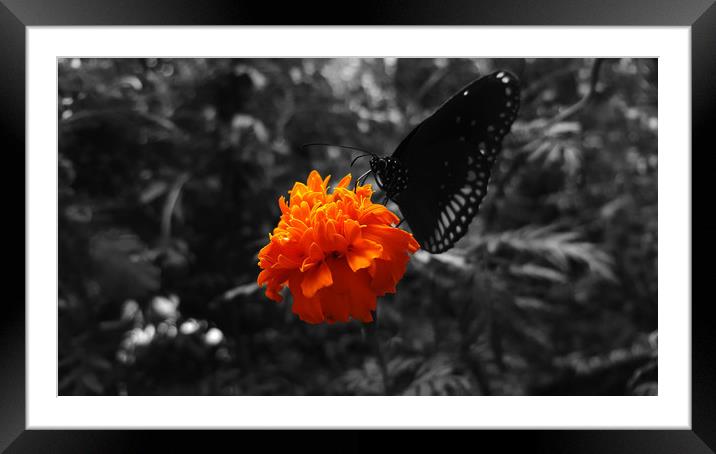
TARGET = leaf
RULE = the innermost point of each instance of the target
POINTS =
(611, 208)
(558, 248)
(130, 81)
(366, 380)
(445, 268)
(99, 363)
(91, 381)
(242, 290)
(242, 122)
(572, 159)
(69, 379)
(437, 376)
(524, 302)
(403, 365)
(565, 127)
(539, 152)
(122, 268)
(155, 190)
(537, 272)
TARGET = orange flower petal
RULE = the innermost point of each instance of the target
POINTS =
(315, 279)
(315, 182)
(282, 204)
(308, 309)
(351, 230)
(339, 243)
(286, 262)
(315, 256)
(315, 253)
(362, 252)
(336, 252)
(272, 293)
(335, 305)
(345, 181)
(383, 278)
(355, 288)
(307, 239)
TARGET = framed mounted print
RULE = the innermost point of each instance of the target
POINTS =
(455, 218)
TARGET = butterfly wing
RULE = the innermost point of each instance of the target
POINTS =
(449, 158)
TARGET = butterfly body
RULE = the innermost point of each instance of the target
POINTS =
(391, 174)
(438, 175)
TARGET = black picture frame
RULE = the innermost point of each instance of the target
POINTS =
(16, 15)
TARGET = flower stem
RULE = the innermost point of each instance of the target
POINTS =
(371, 331)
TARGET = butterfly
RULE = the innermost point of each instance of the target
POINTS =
(438, 175)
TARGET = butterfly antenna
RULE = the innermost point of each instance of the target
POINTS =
(321, 144)
(361, 156)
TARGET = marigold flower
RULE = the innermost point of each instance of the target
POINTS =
(336, 252)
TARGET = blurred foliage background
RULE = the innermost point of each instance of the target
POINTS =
(169, 174)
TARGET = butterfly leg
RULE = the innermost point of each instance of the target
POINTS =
(362, 177)
(401, 221)
(388, 192)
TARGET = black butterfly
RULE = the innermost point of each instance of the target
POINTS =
(438, 175)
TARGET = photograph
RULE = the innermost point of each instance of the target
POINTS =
(357, 226)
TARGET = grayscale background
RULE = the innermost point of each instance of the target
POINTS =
(170, 170)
